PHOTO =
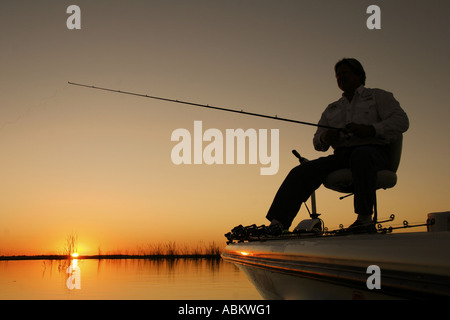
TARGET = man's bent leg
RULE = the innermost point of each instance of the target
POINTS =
(365, 162)
(299, 184)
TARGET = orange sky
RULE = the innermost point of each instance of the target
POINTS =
(98, 164)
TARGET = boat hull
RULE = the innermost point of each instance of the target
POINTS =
(410, 266)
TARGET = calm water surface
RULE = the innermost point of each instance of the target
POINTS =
(180, 279)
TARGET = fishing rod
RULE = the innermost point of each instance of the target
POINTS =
(204, 106)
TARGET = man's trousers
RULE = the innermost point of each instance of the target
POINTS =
(303, 180)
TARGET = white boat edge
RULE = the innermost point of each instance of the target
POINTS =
(412, 265)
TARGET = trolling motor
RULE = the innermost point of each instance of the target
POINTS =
(315, 224)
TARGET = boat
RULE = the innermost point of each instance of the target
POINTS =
(340, 264)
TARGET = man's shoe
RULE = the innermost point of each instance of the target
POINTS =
(276, 228)
(362, 227)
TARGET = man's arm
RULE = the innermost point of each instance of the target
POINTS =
(393, 118)
(324, 138)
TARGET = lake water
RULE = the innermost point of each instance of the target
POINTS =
(123, 279)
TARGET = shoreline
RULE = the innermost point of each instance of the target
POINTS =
(110, 257)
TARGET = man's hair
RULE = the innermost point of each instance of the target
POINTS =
(355, 65)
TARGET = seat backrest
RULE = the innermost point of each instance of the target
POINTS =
(395, 151)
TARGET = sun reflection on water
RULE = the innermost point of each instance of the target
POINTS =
(74, 274)
(124, 279)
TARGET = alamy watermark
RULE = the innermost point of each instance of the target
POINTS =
(74, 20)
(374, 280)
(74, 275)
(374, 20)
(236, 146)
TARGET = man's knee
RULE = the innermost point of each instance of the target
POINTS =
(311, 172)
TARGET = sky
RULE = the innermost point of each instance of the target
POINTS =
(98, 164)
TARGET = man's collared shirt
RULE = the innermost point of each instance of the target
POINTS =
(369, 106)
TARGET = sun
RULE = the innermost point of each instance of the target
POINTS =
(74, 255)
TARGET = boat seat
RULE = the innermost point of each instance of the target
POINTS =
(341, 180)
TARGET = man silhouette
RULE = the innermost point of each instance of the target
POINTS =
(370, 119)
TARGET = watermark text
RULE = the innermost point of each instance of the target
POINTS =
(235, 146)
(374, 280)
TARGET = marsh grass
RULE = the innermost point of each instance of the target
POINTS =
(168, 250)
(172, 250)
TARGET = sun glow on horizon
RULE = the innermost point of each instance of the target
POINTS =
(91, 172)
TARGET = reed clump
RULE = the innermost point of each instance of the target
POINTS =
(168, 250)
(172, 249)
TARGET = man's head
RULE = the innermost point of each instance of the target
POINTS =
(350, 74)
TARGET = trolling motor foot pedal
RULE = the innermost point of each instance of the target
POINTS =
(310, 225)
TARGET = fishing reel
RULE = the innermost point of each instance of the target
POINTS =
(252, 232)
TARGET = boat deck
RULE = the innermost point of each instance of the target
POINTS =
(412, 265)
